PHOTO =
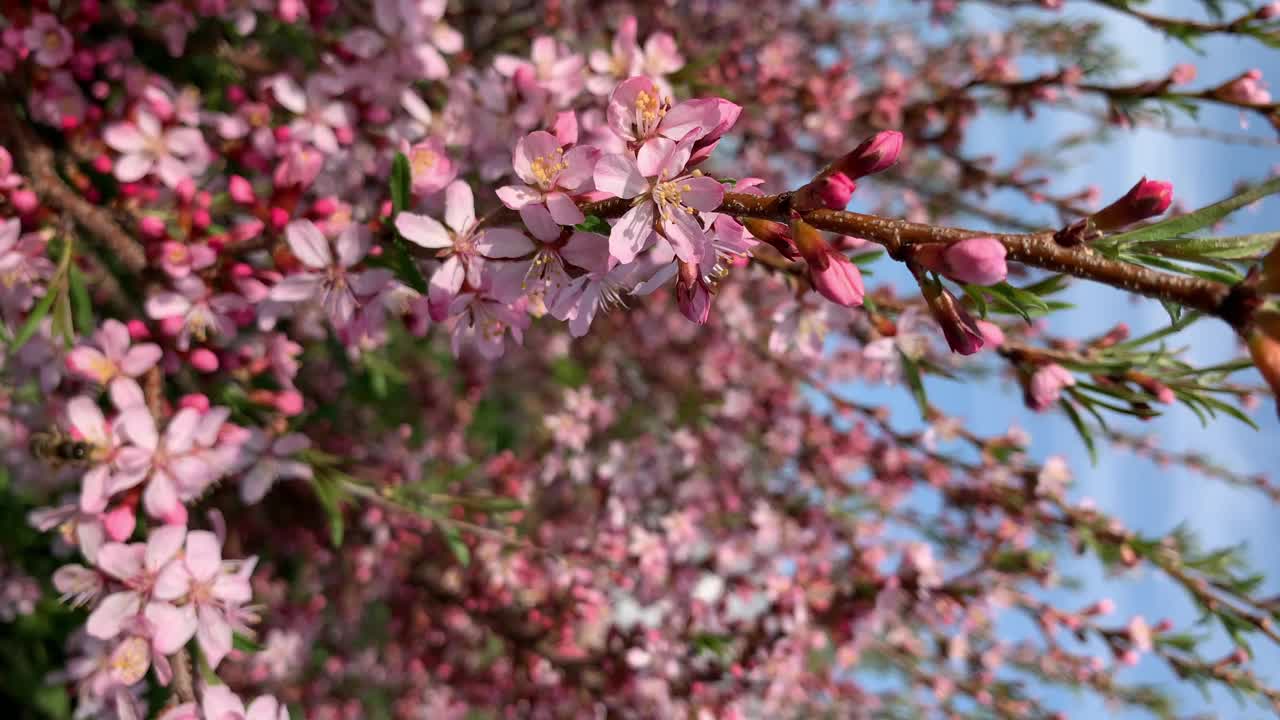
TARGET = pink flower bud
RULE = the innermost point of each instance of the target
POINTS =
(279, 217)
(177, 515)
(138, 330)
(289, 402)
(1105, 606)
(692, 294)
(102, 164)
(1046, 386)
(1182, 74)
(325, 206)
(977, 261)
(1148, 198)
(196, 401)
(958, 326)
(774, 234)
(832, 274)
(186, 190)
(874, 155)
(119, 523)
(24, 201)
(151, 226)
(235, 94)
(204, 360)
(241, 191)
(992, 335)
(830, 191)
(200, 219)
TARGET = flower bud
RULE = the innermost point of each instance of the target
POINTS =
(774, 234)
(962, 332)
(978, 261)
(1046, 386)
(692, 294)
(240, 190)
(832, 274)
(829, 191)
(1146, 199)
(874, 155)
(992, 335)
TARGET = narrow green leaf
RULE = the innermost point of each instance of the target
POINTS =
(1235, 247)
(244, 644)
(1082, 429)
(401, 177)
(81, 303)
(38, 314)
(911, 370)
(1185, 224)
(456, 544)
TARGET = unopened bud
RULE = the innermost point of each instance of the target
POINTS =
(832, 274)
(1045, 386)
(829, 191)
(1146, 199)
(962, 332)
(876, 154)
(774, 234)
(692, 294)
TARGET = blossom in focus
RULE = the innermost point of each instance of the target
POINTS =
(462, 243)
(328, 276)
(668, 200)
(551, 175)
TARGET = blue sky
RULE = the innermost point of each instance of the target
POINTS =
(1147, 498)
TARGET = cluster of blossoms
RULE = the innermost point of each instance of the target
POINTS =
(206, 290)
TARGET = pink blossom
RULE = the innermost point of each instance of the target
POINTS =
(409, 38)
(219, 703)
(668, 200)
(180, 259)
(171, 465)
(111, 355)
(463, 244)
(194, 312)
(328, 273)
(659, 57)
(483, 325)
(48, 40)
(274, 461)
(321, 117)
(209, 586)
(552, 176)
(175, 154)
(551, 67)
(1046, 384)
(637, 113)
(429, 166)
(140, 569)
(22, 260)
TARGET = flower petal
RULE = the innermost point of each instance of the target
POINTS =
(619, 176)
(564, 209)
(503, 243)
(459, 206)
(308, 244)
(423, 230)
(204, 555)
(111, 613)
(632, 232)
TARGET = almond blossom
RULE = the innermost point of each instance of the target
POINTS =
(552, 176)
(113, 355)
(219, 703)
(192, 311)
(666, 200)
(328, 276)
(464, 245)
(173, 154)
(208, 587)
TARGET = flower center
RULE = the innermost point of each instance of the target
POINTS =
(52, 40)
(422, 160)
(546, 168)
(669, 195)
(649, 111)
(130, 661)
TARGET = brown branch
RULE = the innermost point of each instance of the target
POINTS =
(37, 162)
(1036, 249)
(184, 686)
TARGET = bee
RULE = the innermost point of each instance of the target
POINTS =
(57, 449)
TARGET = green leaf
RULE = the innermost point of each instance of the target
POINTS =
(911, 370)
(81, 302)
(1235, 247)
(593, 224)
(1186, 224)
(402, 262)
(331, 496)
(401, 177)
(1083, 429)
(244, 644)
(457, 545)
(38, 314)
